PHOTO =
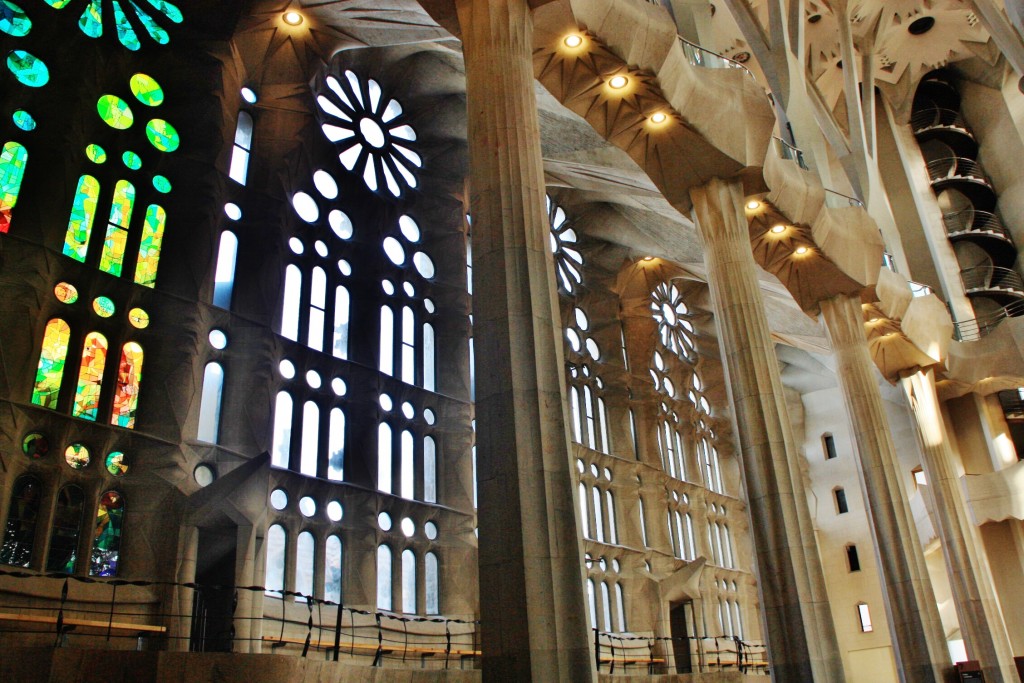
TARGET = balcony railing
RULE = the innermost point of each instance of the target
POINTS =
(973, 220)
(789, 152)
(699, 56)
(956, 167)
(838, 200)
(936, 117)
(976, 328)
(982, 279)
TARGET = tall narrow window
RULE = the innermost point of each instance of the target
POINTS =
(90, 376)
(291, 307)
(310, 438)
(387, 340)
(691, 539)
(83, 214)
(332, 570)
(632, 434)
(20, 532)
(584, 513)
(239, 168)
(384, 458)
(112, 256)
(407, 465)
(12, 170)
(281, 449)
(852, 559)
(149, 248)
(339, 345)
(864, 615)
(51, 363)
(408, 346)
(67, 524)
(680, 541)
(224, 275)
(620, 606)
(643, 521)
(336, 446)
(317, 309)
(588, 411)
(613, 532)
(431, 584)
(429, 470)
(574, 407)
(593, 603)
(606, 604)
(305, 556)
(598, 515)
(737, 622)
(408, 581)
(602, 414)
(209, 407)
(126, 393)
(828, 443)
(841, 505)
(274, 577)
(106, 545)
(384, 577)
(429, 373)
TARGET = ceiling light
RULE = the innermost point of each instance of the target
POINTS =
(776, 229)
(618, 82)
(802, 250)
(873, 320)
(648, 258)
(659, 117)
(292, 18)
(753, 204)
(573, 40)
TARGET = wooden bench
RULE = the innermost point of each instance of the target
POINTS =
(649, 662)
(69, 624)
(424, 653)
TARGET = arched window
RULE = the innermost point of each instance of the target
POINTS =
(592, 597)
(310, 439)
(209, 407)
(620, 606)
(317, 309)
(691, 539)
(51, 363)
(332, 570)
(336, 446)
(384, 458)
(291, 307)
(613, 532)
(106, 545)
(429, 470)
(149, 248)
(112, 255)
(384, 577)
(387, 340)
(584, 510)
(432, 585)
(737, 623)
(598, 515)
(239, 169)
(305, 556)
(67, 524)
(83, 215)
(339, 346)
(276, 544)
(126, 393)
(408, 581)
(408, 345)
(20, 530)
(407, 466)
(841, 505)
(12, 170)
(429, 371)
(224, 275)
(683, 551)
(606, 604)
(643, 521)
(281, 447)
(574, 407)
(90, 376)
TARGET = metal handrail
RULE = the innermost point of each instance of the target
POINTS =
(934, 117)
(956, 167)
(974, 220)
(838, 200)
(982, 278)
(700, 56)
(1012, 403)
(976, 328)
(789, 152)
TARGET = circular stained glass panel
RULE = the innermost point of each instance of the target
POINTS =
(162, 135)
(146, 90)
(96, 154)
(24, 120)
(103, 306)
(28, 69)
(13, 20)
(116, 464)
(161, 184)
(77, 456)
(115, 112)
(66, 293)
(138, 318)
(35, 445)
(132, 160)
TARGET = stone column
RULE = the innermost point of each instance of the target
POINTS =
(533, 614)
(800, 635)
(970, 579)
(917, 636)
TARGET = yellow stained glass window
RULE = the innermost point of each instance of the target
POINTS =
(83, 212)
(126, 396)
(90, 376)
(149, 249)
(112, 258)
(51, 363)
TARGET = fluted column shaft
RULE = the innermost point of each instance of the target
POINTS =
(970, 579)
(531, 598)
(914, 625)
(800, 635)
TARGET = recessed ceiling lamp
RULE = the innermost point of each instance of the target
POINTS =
(659, 117)
(776, 229)
(292, 18)
(648, 258)
(573, 40)
(618, 82)
(802, 250)
(753, 204)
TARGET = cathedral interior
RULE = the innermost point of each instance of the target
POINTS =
(512, 340)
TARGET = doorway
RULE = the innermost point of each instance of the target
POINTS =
(679, 627)
(213, 603)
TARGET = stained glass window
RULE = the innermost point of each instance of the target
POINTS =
(13, 20)
(77, 456)
(126, 394)
(28, 69)
(138, 318)
(13, 159)
(51, 363)
(66, 292)
(112, 257)
(23, 120)
(83, 213)
(239, 168)
(146, 90)
(103, 306)
(20, 532)
(116, 464)
(209, 407)
(149, 249)
(568, 259)
(162, 135)
(90, 377)
(224, 275)
(106, 545)
(115, 112)
(35, 445)
(91, 20)
(131, 160)
(96, 154)
(67, 524)
(332, 570)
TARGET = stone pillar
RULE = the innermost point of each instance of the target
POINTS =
(917, 636)
(532, 609)
(800, 635)
(981, 622)
(180, 627)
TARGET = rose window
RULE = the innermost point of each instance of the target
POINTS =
(130, 19)
(370, 132)
(568, 259)
(672, 315)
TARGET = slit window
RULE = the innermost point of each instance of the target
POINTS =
(852, 559)
(828, 444)
(841, 505)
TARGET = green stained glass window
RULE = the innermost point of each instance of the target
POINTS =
(167, 9)
(103, 306)
(12, 169)
(115, 112)
(96, 154)
(35, 445)
(22, 119)
(51, 363)
(90, 377)
(147, 90)
(66, 292)
(83, 212)
(162, 184)
(162, 135)
(67, 521)
(125, 32)
(149, 248)
(116, 464)
(126, 395)
(28, 69)
(106, 545)
(13, 20)
(91, 21)
(132, 160)
(112, 257)
(155, 31)
(58, 4)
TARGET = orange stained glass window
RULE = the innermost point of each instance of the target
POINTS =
(126, 395)
(90, 376)
(51, 363)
